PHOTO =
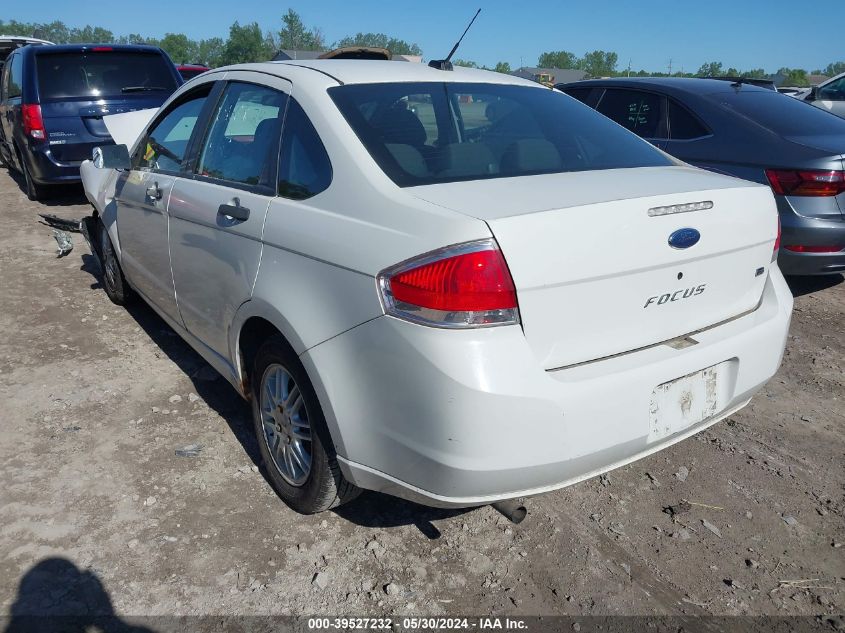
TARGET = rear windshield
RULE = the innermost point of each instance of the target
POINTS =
(782, 114)
(425, 133)
(102, 74)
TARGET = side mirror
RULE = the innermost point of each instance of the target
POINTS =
(111, 157)
(813, 95)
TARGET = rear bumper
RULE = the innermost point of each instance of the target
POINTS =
(797, 229)
(46, 169)
(462, 418)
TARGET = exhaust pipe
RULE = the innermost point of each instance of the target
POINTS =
(512, 510)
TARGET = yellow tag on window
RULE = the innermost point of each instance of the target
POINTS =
(148, 155)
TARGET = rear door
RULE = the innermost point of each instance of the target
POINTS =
(641, 111)
(143, 193)
(217, 216)
(77, 88)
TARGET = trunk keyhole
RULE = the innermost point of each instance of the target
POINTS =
(680, 275)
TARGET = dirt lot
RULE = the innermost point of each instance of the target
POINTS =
(98, 512)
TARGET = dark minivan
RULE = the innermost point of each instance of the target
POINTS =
(53, 99)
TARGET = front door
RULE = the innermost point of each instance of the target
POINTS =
(142, 195)
(217, 216)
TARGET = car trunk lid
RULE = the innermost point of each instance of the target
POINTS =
(594, 272)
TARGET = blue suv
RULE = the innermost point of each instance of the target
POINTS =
(53, 99)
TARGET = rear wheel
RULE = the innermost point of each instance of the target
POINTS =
(113, 280)
(33, 190)
(292, 434)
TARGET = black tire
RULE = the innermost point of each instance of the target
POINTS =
(33, 190)
(114, 282)
(324, 486)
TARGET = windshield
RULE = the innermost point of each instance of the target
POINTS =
(433, 132)
(102, 74)
(782, 114)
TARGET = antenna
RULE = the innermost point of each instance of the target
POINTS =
(446, 64)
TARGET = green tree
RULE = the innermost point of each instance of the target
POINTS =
(90, 35)
(380, 40)
(245, 44)
(294, 35)
(181, 49)
(557, 59)
(599, 63)
(211, 52)
(794, 77)
(834, 68)
(465, 63)
(710, 69)
(755, 73)
(502, 67)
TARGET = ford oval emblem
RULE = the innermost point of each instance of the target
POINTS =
(684, 238)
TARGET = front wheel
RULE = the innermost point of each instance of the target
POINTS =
(292, 434)
(114, 282)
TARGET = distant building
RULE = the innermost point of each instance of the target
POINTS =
(815, 80)
(549, 76)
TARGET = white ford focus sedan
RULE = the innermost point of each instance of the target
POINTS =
(456, 287)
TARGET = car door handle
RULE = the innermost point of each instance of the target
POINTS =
(154, 192)
(233, 211)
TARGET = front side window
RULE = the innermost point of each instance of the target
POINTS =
(644, 113)
(166, 142)
(834, 91)
(305, 169)
(432, 132)
(242, 144)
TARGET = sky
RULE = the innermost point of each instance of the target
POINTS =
(743, 34)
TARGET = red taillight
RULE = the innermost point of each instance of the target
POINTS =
(793, 182)
(777, 242)
(102, 49)
(803, 248)
(33, 124)
(468, 285)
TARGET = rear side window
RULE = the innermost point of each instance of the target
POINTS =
(167, 140)
(242, 145)
(644, 113)
(305, 169)
(683, 125)
(433, 132)
(102, 74)
(15, 85)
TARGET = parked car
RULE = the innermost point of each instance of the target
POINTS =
(829, 95)
(189, 71)
(53, 99)
(497, 296)
(8, 43)
(750, 133)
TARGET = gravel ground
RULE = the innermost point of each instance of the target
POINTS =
(97, 512)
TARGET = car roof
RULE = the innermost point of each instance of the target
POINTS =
(365, 71)
(80, 48)
(691, 85)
